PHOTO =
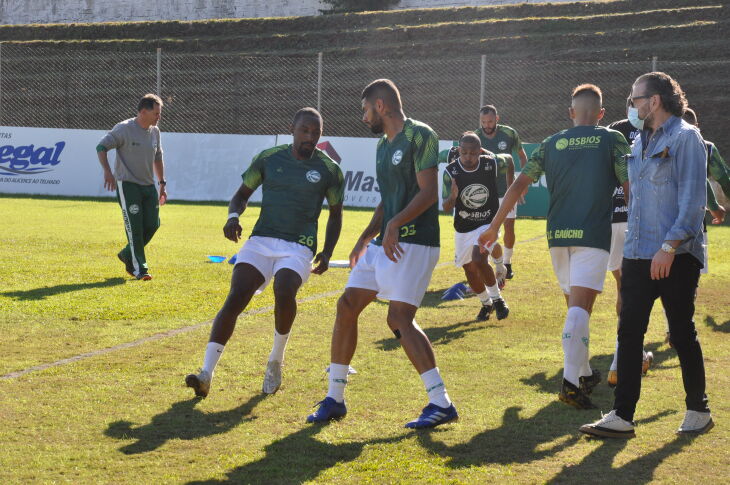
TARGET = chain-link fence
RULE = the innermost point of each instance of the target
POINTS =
(217, 93)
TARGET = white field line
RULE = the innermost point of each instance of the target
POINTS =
(178, 331)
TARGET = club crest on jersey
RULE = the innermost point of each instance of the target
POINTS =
(502, 145)
(397, 157)
(314, 176)
(134, 209)
(474, 196)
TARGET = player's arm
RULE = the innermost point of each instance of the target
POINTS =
(107, 143)
(372, 230)
(719, 171)
(717, 211)
(621, 150)
(252, 178)
(531, 172)
(335, 198)
(159, 168)
(449, 192)
(523, 161)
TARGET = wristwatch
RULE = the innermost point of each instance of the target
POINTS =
(667, 248)
(162, 182)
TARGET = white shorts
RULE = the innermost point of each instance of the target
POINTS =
(579, 266)
(405, 281)
(269, 255)
(513, 213)
(618, 236)
(464, 243)
(705, 269)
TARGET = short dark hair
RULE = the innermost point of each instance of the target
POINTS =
(588, 90)
(383, 89)
(672, 97)
(149, 101)
(470, 137)
(488, 108)
(690, 116)
(306, 112)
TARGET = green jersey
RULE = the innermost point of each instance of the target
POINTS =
(581, 167)
(397, 162)
(293, 192)
(717, 169)
(505, 140)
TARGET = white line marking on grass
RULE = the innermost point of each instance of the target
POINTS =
(178, 331)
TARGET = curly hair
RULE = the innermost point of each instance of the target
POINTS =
(669, 91)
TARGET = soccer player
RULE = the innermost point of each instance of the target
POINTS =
(619, 223)
(470, 186)
(398, 265)
(139, 159)
(581, 166)
(295, 179)
(499, 138)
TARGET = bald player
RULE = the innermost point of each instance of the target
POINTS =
(581, 166)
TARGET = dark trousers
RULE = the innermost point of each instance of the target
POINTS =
(677, 292)
(141, 213)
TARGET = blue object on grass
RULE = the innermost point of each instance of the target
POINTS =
(216, 259)
(233, 259)
(456, 292)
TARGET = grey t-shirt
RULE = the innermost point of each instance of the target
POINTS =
(137, 149)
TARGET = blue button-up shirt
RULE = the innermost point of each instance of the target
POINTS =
(668, 174)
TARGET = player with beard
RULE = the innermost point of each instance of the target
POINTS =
(398, 265)
(470, 186)
(498, 138)
(295, 179)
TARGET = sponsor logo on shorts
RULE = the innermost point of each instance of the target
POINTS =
(502, 145)
(134, 209)
(397, 157)
(474, 196)
(314, 176)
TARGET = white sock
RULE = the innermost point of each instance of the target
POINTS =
(213, 354)
(575, 345)
(494, 293)
(507, 254)
(338, 381)
(485, 298)
(435, 388)
(277, 351)
(614, 363)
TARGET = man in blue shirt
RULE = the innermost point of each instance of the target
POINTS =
(663, 251)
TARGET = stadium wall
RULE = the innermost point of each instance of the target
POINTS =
(68, 11)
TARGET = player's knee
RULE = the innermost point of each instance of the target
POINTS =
(345, 306)
(285, 290)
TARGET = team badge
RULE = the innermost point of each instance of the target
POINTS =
(474, 196)
(134, 209)
(561, 144)
(397, 157)
(502, 145)
(314, 176)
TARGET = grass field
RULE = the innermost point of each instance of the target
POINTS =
(125, 416)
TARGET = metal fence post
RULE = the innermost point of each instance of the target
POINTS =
(653, 63)
(159, 71)
(483, 81)
(319, 82)
(1, 83)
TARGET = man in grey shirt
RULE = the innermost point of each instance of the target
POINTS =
(138, 159)
(663, 251)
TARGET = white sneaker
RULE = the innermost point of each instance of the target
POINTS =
(272, 377)
(610, 426)
(696, 422)
(199, 382)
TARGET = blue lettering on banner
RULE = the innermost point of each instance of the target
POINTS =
(29, 160)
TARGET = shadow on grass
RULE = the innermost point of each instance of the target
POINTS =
(182, 421)
(723, 327)
(599, 463)
(298, 458)
(439, 335)
(46, 291)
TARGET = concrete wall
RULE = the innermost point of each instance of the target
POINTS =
(64, 11)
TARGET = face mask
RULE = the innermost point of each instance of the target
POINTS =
(634, 119)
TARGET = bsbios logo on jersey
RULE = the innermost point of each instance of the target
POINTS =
(397, 157)
(474, 196)
(314, 176)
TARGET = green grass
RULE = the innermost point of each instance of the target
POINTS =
(126, 417)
